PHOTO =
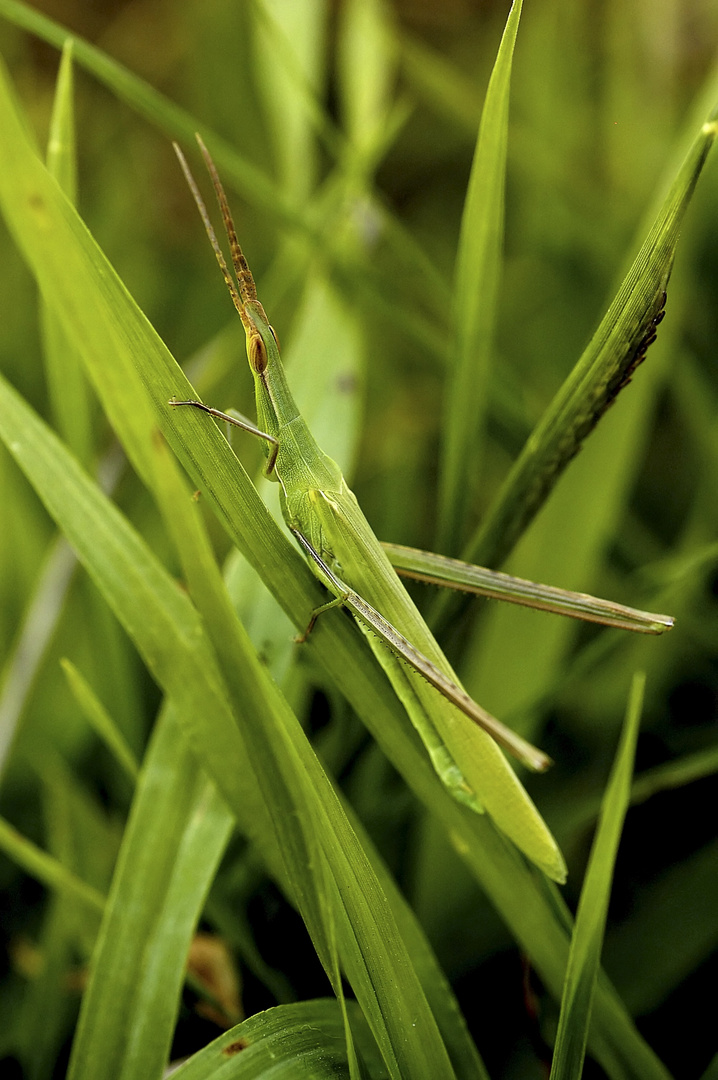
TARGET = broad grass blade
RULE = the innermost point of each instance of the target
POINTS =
(303, 1041)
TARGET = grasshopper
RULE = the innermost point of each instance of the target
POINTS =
(462, 739)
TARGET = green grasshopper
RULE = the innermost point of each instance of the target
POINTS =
(322, 513)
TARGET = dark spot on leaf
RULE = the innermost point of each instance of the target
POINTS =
(346, 384)
(235, 1047)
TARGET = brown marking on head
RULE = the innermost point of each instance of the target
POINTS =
(257, 353)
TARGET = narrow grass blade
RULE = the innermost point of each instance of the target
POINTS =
(49, 871)
(61, 151)
(465, 577)
(476, 295)
(587, 941)
(606, 366)
(100, 720)
(33, 640)
(67, 385)
(365, 75)
(176, 834)
(290, 56)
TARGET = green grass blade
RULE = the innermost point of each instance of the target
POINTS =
(463, 1053)
(33, 639)
(290, 51)
(476, 291)
(61, 146)
(177, 831)
(366, 67)
(66, 381)
(303, 1041)
(100, 720)
(49, 871)
(603, 369)
(587, 941)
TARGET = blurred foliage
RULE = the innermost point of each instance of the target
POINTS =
(602, 96)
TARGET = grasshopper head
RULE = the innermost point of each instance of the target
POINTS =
(262, 344)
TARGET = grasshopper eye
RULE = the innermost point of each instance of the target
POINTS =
(257, 353)
(276, 339)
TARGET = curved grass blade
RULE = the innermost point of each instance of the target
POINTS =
(587, 940)
(303, 1041)
(618, 346)
(475, 298)
(454, 574)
